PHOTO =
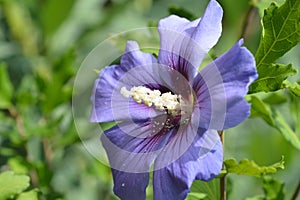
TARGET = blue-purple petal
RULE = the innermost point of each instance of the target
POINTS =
(184, 44)
(221, 87)
(108, 104)
(129, 186)
(198, 162)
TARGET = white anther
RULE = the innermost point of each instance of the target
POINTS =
(166, 101)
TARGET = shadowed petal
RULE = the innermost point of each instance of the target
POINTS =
(198, 162)
(131, 153)
(184, 43)
(129, 186)
(221, 87)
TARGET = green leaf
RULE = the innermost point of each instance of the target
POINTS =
(30, 195)
(260, 109)
(275, 98)
(211, 188)
(196, 196)
(292, 87)
(250, 168)
(12, 184)
(283, 127)
(6, 87)
(271, 77)
(281, 32)
(273, 189)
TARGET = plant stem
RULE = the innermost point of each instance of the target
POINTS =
(223, 178)
(297, 192)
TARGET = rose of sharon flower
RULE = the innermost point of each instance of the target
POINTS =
(166, 113)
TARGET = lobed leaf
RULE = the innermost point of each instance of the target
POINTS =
(281, 32)
(271, 77)
(30, 195)
(273, 189)
(292, 87)
(12, 184)
(250, 168)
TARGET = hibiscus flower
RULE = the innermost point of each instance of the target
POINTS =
(166, 113)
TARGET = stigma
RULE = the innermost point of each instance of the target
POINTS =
(161, 101)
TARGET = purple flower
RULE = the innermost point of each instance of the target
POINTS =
(167, 113)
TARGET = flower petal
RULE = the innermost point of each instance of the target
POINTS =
(129, 186)
(108, 103)
(131, 149)
(209, 28)
(128, 143)
(222, 86)
(184, 44)
(198, 162)
(133, 57)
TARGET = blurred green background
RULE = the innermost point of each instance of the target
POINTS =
(42, 45)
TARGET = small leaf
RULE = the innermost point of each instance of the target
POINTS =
(260, 109)
(6, 87)
(281, 32)
(273, 189)
(30, 195)
(271, 77)
(210, 188)
(250, 168)
(12, 184)
(196, 196)
(292, 87)
(283, 127)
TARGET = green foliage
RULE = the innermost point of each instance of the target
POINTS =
(250, 168)
(196, 196)
(30, 195)
(292, 87)
(51, 22)
(6, 87)
(12, 184)
(260, 109)
(273, 117)
(206, 190)
(284, 128)
(271, 77)
(281, 32)
(273, 190)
